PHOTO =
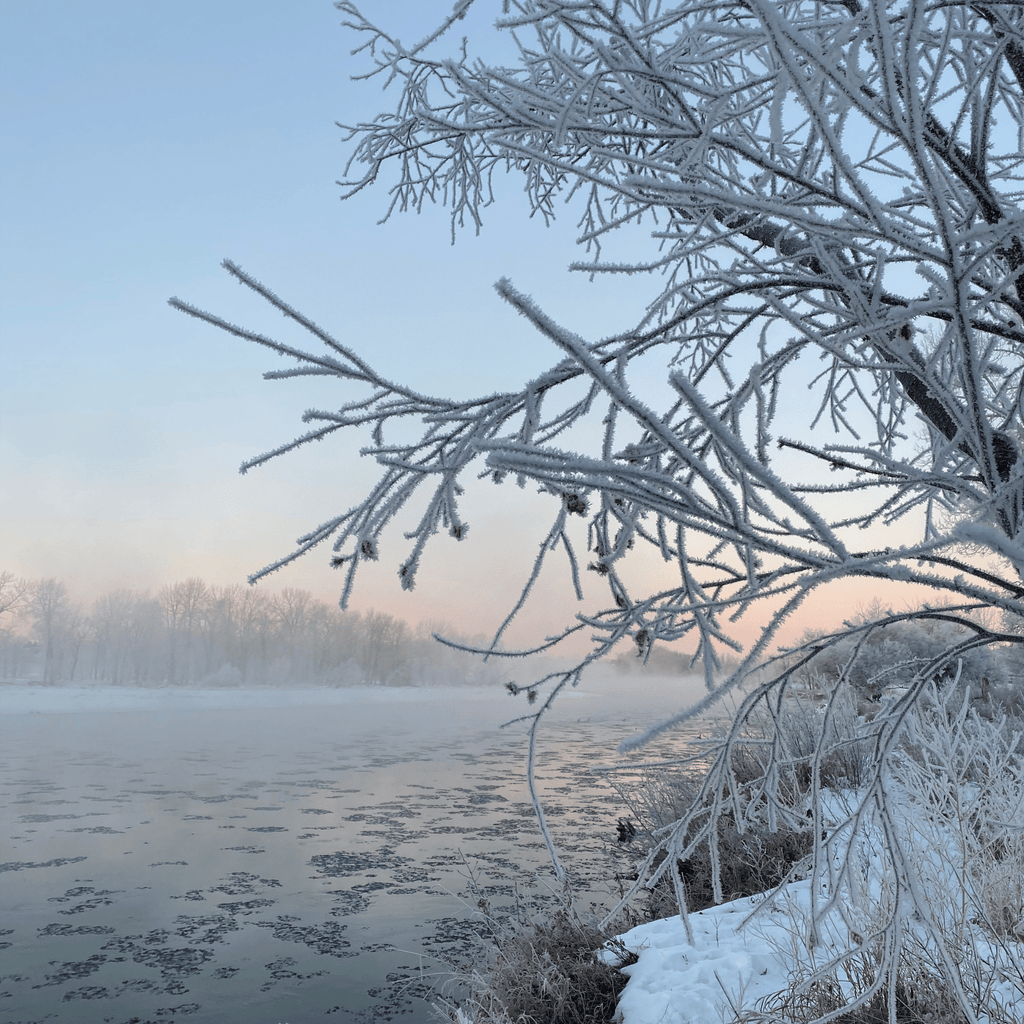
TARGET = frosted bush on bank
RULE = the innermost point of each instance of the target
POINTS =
(876, 659)
(937, 890)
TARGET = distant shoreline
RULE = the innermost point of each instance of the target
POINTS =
(20, 698)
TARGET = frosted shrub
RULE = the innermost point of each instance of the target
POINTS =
(919, 872)
(832, 740)
(876, 658)
(753, 850)
(543, 969)
(919, 902)
(998, 888)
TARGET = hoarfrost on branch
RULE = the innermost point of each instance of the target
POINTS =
(833, 196)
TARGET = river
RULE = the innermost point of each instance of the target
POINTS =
(287, 856)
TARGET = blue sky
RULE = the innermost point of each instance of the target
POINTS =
(143, 143)
(146, 142)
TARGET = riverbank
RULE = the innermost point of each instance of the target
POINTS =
(898, 884)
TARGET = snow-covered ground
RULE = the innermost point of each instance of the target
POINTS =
(932, 858)
(732, 964)
(735, 961)
(752, 948)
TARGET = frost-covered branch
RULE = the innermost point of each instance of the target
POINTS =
(834, 198)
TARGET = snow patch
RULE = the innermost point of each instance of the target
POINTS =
(729, 966)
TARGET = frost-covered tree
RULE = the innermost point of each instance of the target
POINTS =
(381, 650)
(15, 594)
(15, 601)
(50, 607)
(832, 192)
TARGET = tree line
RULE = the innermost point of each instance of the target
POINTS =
(194, 633)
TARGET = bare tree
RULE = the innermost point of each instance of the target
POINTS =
(142, 632)
(255, 630)
(15, 601)
(110, 616)
(129, 633)
(184, 605)
(291, 611)
(50, 607)
(833, 193)
(172, 602)
(76, 630)
(381, 646)
(15, 594)
(220, 627)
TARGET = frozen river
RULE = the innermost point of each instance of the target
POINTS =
(262, 857)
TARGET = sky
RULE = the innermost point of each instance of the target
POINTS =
(143, 144)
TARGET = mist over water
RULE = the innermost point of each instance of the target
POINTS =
(285, 855)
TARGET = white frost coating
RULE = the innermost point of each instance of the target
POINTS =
(832, 194)
(988, 538)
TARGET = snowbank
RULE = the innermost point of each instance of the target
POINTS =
(734, 962)
(727, 967)
(739, 957)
